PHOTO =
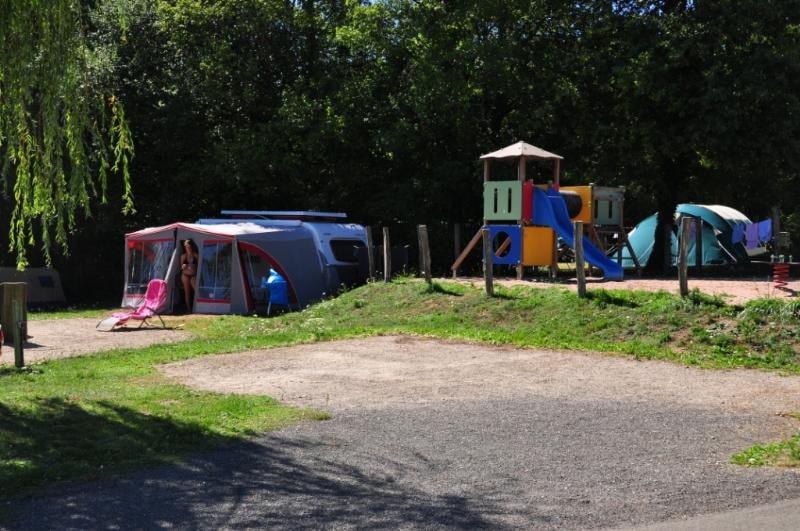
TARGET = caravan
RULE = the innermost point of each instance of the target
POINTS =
(236, 257)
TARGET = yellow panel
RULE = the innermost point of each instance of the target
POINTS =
(585, 192)
(538, 246)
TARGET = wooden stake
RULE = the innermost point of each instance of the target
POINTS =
(424, 252)
(698, 244)
(470, 246)
(683, 257)
(488, 263)
(580, 272)
(19, 326)
(370, 254)
(387, 256)
(456, 245)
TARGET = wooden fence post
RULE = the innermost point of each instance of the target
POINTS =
(370, 254)
(424, 252)
(456, 245)
(580, 272)
(698, 244)
(488, 265)
(387, 256)
(19, 326)
(683, 256)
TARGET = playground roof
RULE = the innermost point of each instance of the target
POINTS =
(522, 149)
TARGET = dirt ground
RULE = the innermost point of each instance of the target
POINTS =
(61, 338)
(732, 290)
(398, 371)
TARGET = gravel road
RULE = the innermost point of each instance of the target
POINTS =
(510, 439)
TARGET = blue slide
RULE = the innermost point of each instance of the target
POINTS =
(550, 209)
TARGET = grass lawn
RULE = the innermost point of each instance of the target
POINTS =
(88, 417)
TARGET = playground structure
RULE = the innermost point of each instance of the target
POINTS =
(524, 220)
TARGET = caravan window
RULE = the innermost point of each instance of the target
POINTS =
(215, 271)
(346, 250)
(147, 259)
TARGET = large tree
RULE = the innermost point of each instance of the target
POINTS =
(62, 129)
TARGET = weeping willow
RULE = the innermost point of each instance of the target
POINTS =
(62, 131)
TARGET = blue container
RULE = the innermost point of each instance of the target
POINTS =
(278, 289)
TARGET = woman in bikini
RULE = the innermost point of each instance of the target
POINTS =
(189, 272)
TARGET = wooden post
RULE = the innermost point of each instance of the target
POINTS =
(463, 256)
(424, 252)
(580, 272)
(556, 172)
(387, 256)
(370, 254)
(19, 326)
(775, 214)
(456, 245)
(683, 256)
(488, 263)
(698, 244)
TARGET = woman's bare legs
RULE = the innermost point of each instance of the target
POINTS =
(188, 284)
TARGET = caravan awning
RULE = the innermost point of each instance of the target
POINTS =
(222, 229)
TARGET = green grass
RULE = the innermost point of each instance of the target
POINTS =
(780, 454)
(88, 417)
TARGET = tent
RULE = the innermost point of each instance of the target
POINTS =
(43, 289)
(717, 231)
(235, 258)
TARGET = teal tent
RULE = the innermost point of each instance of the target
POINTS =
(717, 230)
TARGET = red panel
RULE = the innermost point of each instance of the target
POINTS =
(527, 201)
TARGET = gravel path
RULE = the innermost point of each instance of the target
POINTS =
(431, 434)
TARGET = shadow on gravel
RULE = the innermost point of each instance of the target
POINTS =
(259, 484)
(58, 440)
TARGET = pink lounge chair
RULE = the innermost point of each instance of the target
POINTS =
(154, 299)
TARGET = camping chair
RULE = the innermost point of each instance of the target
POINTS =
(154, 300)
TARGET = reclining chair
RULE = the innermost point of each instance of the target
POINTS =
(154, 300)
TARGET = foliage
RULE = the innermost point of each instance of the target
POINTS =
(62, 129)
(381, 108)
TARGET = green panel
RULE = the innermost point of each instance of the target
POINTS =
(607, 212)
(502, 200)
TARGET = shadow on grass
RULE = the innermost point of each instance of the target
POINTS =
(602, 296)
(57, 440)
(435, 287)
(282, 481)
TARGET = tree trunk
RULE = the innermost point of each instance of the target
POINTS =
(660, 260)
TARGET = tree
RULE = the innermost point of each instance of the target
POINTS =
(62, 129)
